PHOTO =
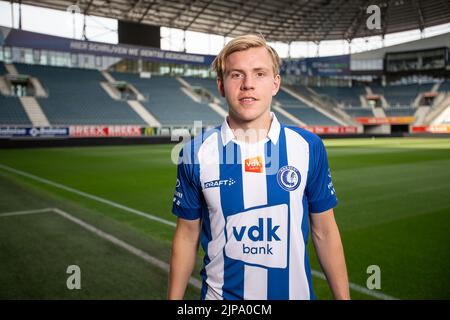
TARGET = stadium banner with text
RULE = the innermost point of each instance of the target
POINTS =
(149, 131)
(26, 39)
(332, 129)
(105, 131)
(320, 66)
(33, 132)
(440, 128)
(387, 120)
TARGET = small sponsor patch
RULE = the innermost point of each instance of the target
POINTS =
(254, 164)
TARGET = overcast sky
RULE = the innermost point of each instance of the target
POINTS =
(66, 24)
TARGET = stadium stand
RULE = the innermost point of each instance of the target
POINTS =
(310, 116)
(283, 119)
(401, 95)
(359, 112)
(400, 111)
(302, 90)
(2, 69)
(12, 112)
(445, 86)
(347, 96)
(168, 103)
(164, 99)
(76, 97)
(209, 85)
(302, 111)
(288, 100)
(172, 107)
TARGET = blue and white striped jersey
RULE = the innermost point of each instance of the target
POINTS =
(254, 201)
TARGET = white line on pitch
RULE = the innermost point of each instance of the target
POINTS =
(356, 287)
(315, 273)
(87, 195)
(137, 252)
(19, 213)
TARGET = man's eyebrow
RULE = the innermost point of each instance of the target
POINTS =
(254, 69)
(235, 70)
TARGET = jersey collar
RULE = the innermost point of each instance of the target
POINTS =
(273, 134)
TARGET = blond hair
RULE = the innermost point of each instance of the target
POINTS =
(243, 43)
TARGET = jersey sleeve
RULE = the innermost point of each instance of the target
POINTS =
(319, 189)
(187, 202)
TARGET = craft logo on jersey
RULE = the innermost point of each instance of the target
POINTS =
(288, 178)
(218, 183)
(254, 164)
(258, 236)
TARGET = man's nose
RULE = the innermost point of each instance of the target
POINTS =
(247, 83)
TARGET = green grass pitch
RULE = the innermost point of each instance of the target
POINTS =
(394, 212)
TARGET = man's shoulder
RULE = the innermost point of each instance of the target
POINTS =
(310, 137)
(195, 143)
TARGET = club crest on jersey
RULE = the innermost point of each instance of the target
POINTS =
(254, 164)
(288, 178)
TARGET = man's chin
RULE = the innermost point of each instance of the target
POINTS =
(247, 115)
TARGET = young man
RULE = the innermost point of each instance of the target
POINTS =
(250, 189)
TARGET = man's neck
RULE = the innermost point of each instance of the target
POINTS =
(250, 131)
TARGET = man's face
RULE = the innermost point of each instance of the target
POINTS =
(248, 83)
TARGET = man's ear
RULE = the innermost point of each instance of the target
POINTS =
(220, 87)
(276, 84)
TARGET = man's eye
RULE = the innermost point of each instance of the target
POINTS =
(260, 74)
(236, 75)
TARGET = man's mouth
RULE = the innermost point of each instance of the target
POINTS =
(247, 99)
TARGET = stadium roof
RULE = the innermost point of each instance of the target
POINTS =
(281, 20)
